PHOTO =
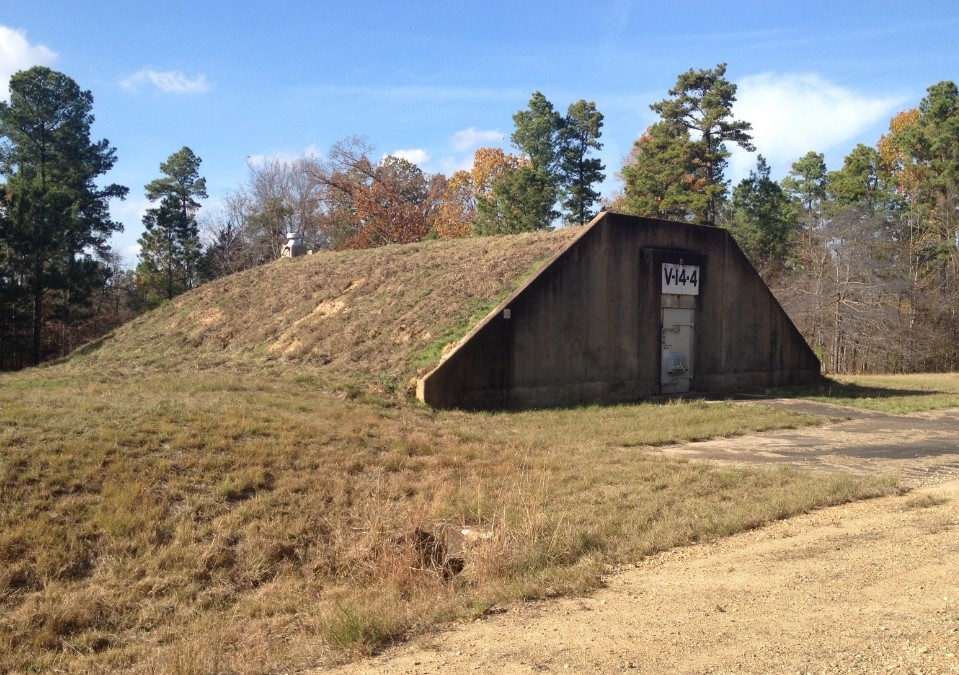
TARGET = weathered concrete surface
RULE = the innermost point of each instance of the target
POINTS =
(915, 448)
(588, 327)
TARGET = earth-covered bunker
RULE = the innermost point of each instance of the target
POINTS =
(633, 307)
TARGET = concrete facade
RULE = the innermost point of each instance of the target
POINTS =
(633, 307)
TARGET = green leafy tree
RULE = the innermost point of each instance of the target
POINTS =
(170, 247)
(763, 219)
(660, 177)
(533, 188)
(860, 182)
(922, 154)
(701, 105)
(517, 202)
(579, 137)
(537, 133)
(875, 287)
(54, 219)
(806, 182)
(560, 167)
(933, 145)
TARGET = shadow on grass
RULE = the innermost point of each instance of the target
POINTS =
(831, 389)
(91, 347)
(84, 350)
(895, 399)
(825, 390)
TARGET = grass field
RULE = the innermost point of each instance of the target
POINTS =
(239, 482)
(262, 519)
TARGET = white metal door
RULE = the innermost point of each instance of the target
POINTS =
(676, 368)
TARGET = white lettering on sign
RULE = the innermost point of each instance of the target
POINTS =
(681, 279)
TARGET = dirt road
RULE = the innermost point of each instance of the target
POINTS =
(871, 587)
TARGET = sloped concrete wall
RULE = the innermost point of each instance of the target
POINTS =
(587, 328)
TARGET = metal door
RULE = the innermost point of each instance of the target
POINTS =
(676, 369)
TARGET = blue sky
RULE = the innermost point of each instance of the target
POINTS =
(433, 81)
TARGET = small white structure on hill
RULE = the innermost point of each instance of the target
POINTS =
(294, 245)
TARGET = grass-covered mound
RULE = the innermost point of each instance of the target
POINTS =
(375, 315)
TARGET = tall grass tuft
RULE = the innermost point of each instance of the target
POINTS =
(361, 628)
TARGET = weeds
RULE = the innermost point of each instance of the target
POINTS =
(924, 501)
(469, 316)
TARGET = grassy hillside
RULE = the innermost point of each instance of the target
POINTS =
(196, 494)
(375, 315)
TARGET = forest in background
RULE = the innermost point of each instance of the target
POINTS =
(865, 258)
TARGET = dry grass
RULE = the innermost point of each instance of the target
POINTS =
(235, 482)
(372, 316)
(230, 521)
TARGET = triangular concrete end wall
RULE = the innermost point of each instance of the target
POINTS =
(588, 328)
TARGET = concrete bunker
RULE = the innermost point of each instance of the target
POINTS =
(632, 307)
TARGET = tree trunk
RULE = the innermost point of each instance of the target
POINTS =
(37, 323)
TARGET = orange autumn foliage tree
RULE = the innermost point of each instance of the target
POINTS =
(496, 206)
(489, 165)
(453, 217)
(896, 158)
(376, 203)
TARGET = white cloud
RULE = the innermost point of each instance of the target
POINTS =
(792, 114)
(169, 82)
(470, 139)
(464, 143)
(130, 211)
(417, 156)
(450, 165)
(284, 156)
(16, 53)
(130, 254)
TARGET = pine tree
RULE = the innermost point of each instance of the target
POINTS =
(661, 178)
(170, 247)
(763, 219)
(701, 107)
(580, 172)
(532, 190)
(54, 223)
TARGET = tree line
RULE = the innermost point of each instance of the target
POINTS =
(350, 199)
(864, 258)
(62, 285)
